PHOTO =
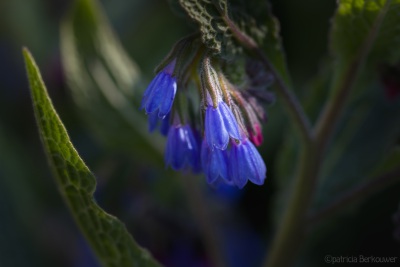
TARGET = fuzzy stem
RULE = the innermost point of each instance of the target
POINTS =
(291, 233)
(292, 104)
(292, 230)
(336, 104)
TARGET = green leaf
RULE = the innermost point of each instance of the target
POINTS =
(214, 32)
(107, 236)
(364, 39)
(364, 146)
(365, 34)
(361, 25)
(390, 162)
(103, 80)
(254, 18)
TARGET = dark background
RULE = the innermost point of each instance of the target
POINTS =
(35, 226)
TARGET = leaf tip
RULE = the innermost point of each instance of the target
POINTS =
(27, 54)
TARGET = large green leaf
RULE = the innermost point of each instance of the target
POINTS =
(365, 35)
(363, 146)
(369, 129)
(361, 23)
(107, 236)
(103, 80)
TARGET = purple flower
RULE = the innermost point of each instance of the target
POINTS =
(245, 163)
(220, 125)
(215, 164)
(183, 149)
(154, 121)
(160, 93)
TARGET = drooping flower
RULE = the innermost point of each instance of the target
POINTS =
(220, 126)
(245, 163)
(183, 148)
(160, 93)
(219, 140)
(215, 164)
(154, 120)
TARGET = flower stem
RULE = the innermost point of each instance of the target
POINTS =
(292, 230)
(333, 110)
(291, 102)
(291, 233)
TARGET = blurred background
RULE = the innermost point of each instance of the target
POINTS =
(133, 184)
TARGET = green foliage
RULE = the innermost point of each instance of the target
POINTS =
(356, 20)
(214, 32)
(365, 34)
(103, 79)
(365, 142)
(107, 236)
(105, 82)
(254, 18)
(368, 130)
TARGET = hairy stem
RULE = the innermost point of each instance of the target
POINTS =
(291, 102)
(292, 230)
(333, 110)
(373, 186)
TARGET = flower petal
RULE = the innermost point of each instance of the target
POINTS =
(236, 166)
(192, 149)
(174, 153)
(216, 134)
(168, 100)
(245, 163)
(219, 159)
(153, 84)
(205, 151)
(158, 94)
(183, 149)
(214, 164)
(165, 125)
(230, 122)
(258, 164)
(153, 121)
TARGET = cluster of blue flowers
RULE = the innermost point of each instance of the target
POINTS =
(220, 143)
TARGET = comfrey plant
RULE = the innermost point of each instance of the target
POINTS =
(334, 146)
(224, 124)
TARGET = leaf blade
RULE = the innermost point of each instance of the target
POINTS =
(107, 236)
(103, 80)
(358, 22)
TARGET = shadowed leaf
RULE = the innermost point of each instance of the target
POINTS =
(107, 236)
(103, 80)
